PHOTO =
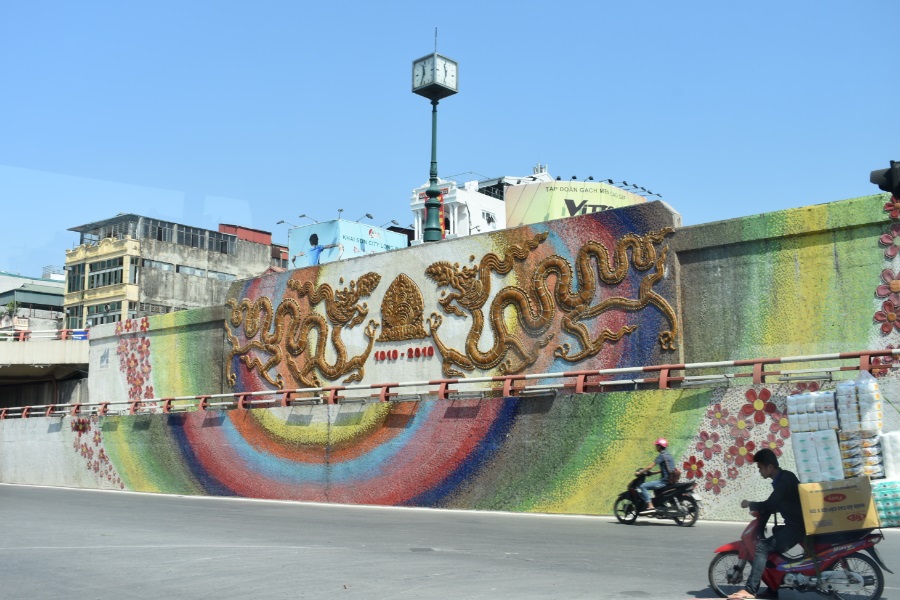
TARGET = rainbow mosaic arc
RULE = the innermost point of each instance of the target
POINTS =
(563, 454)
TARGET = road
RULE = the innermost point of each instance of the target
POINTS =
(80, 544)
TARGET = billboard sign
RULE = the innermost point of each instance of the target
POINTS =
(545, 201)
(330, 241)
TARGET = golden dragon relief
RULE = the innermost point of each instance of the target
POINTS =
(292, 327)
(536, 307)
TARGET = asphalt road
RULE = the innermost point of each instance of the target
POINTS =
(79, 544)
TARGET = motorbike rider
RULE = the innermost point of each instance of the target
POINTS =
(785, 499)
(666, 465)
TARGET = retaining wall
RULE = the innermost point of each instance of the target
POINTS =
(808, 280)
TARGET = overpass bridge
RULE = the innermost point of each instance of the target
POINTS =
(29, 358)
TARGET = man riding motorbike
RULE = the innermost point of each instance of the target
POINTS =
(666, 466)
(785, 499)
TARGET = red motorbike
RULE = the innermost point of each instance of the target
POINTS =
(839, 570)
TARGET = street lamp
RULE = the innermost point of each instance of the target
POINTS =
(306, 216)
(434, 77)
(285, 223)
(365, 216)
(391, 222)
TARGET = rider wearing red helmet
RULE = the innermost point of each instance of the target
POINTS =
(666, 465)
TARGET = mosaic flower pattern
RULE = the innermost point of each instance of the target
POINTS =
(780, 425)
(890, 289)
(718, 416)
(774, 443)
(715, 482)
(742, 452)
(804, 387)
(892, 241)
(892, 207)
(134, 358)
(759, 405)
(740, 427)
(888, 317)
(88, 442)
(709, 444)
(693, 468)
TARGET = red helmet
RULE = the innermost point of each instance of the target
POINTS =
(662, 442)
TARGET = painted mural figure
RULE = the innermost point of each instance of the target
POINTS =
(315, 251)
(785, 499)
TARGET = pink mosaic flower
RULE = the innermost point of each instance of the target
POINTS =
(892, 241)
(773, 443)
(145, 324)
(892, 207)
(805, 386)
(890, 289)
(888, 317)
(715, 482)
(732, 472)
(709, 444)
(693, 468)
(742, 451)
(718, 416)
(759, 405)
(740, 427)
(118, 327)
(780, 425)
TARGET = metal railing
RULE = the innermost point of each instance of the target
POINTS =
(28, 335)
(663, 377)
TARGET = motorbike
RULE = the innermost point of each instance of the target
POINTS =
(674, 501)
(837, 569)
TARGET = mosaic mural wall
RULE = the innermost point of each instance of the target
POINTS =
(570, 454)
(588, 292)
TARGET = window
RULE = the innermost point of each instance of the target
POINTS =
(489, 218)
(75, 278)
(75, 314)
(155, 264)
(186, 270)
(221, 276)
(107, 312)
(105, 272)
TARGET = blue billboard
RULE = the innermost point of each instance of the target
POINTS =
(330, 241)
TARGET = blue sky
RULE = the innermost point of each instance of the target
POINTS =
(204, 112)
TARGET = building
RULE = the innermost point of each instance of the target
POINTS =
(131, 266)
(511, 201)
(37, 303)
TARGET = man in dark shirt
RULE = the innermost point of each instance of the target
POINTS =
(785, 499)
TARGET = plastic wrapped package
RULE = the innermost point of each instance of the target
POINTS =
(890, 452)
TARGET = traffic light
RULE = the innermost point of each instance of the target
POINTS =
(888, 179)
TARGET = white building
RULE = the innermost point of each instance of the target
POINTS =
(476, 207)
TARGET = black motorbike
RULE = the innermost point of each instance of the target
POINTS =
(674, 501)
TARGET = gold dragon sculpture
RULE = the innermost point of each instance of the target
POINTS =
(537, 306)
(292, 328)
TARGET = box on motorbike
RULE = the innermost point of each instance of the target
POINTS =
(843, 505)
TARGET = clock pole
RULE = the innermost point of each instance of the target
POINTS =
(433, 231)
(434, 77)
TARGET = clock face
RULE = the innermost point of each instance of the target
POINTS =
(445, 72)
(423, 71)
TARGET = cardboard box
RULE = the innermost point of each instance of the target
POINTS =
(832, 506)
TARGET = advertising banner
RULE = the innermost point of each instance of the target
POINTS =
(545, 201)
(329, 241)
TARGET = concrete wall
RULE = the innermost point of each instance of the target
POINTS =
(760, 287)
